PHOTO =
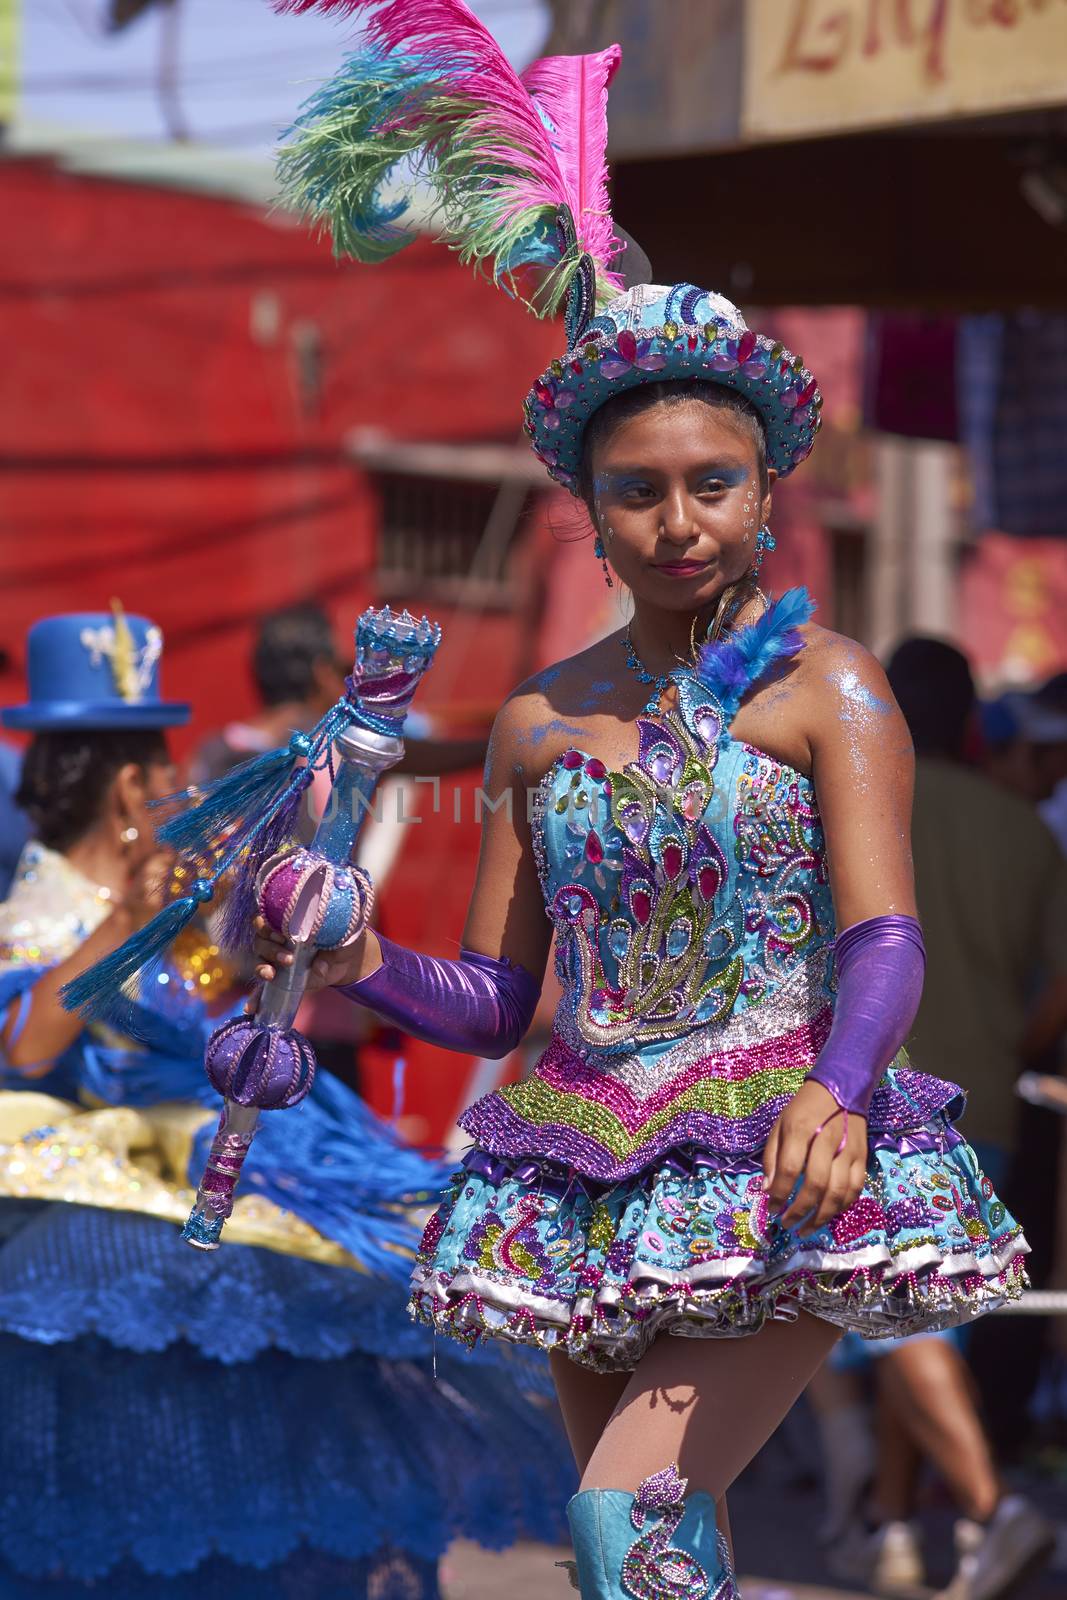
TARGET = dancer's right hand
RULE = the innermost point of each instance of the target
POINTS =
(814, 1164)
(329, 968)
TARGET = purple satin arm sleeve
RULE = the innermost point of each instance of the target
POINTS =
(880, 967)
(477, 1005)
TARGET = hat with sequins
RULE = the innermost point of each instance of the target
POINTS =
(94, 669)
(656, 334)
(511, 171)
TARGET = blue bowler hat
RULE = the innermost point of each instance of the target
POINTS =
(94, 669)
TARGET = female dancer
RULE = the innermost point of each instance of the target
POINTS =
(722, 1140)
(712, 1145)
(254, 1422)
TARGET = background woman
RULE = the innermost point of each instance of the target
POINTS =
(258, 1421)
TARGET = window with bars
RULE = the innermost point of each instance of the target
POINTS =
(451, 537)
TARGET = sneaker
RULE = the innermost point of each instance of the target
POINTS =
(897, 1566)
(888, 1561)
(996, 1559)
(968, 1538)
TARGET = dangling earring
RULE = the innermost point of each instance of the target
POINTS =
(765, 541)
(598, 551)
(129, 835)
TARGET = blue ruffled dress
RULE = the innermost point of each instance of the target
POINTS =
(260, 1423)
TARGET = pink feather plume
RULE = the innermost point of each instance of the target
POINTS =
(525, 166)
(573, 91)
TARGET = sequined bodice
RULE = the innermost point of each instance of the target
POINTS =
(686, 890)
(694, 935)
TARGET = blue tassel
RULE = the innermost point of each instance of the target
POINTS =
(234, 927)
(97, 994)
(241, 815)
(209, 816)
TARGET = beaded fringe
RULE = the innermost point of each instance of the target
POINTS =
(876, 1303)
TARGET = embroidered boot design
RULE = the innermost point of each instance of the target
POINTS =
(655, 1570)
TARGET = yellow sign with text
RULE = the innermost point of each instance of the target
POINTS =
(818, 66)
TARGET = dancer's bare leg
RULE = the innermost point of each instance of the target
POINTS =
(709, 1404)
(587, 1401)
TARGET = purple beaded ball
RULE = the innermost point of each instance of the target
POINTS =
(312, 900)
(259, 1066)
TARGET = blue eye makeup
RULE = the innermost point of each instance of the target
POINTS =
(618, 483)
(729, 477)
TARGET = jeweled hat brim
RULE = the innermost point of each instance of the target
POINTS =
(47, 715)
(607, 361)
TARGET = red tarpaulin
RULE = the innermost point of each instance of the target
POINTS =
(179, 372)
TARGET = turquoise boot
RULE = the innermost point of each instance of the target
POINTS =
(682, 1557)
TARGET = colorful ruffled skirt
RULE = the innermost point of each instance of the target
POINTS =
(535, 1251)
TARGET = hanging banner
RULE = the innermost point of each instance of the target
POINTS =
(820, 66)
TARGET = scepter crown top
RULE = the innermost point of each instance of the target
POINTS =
(393, 650)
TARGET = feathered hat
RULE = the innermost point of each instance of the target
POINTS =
(513, 172)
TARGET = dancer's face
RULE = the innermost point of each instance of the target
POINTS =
(678, 502)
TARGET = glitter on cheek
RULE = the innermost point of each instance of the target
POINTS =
(751, 517)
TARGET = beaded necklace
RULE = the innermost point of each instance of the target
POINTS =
(642, 674)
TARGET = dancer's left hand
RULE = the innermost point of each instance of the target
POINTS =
(830, 1171)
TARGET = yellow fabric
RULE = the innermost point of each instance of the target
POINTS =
(126, 1160)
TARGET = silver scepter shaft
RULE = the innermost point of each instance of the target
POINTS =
(392, 654)
(363, 756)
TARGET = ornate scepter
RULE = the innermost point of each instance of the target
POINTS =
(314, 895)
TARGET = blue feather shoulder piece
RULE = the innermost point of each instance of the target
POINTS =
(730, 666)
